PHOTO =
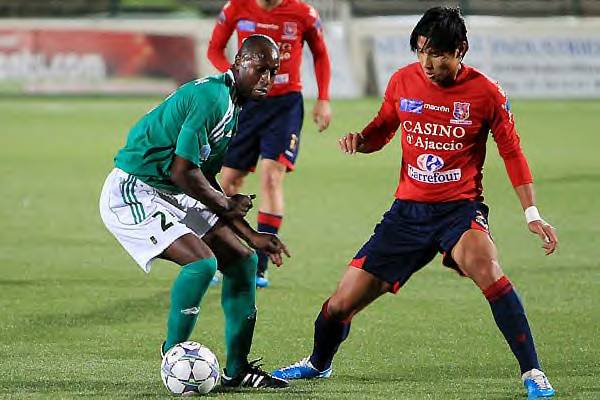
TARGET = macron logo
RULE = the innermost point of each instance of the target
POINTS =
(434, 107)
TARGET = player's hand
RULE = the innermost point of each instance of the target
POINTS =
(322, 114)
(350, 143)
(270, 244)
(238, 205)
(547, 233)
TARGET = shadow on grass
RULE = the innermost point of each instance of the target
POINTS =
(60, 388)
(571, 178)
(413, 384)
(121, 311)
(18, 282)
(64, 283)
(422, 381)
(289, 392)
(56, 388)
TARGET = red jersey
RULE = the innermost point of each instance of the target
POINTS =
(444, 134)
(289, 25)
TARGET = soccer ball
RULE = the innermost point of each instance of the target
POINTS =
(189, 369)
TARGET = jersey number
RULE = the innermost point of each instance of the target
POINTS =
(163, 220)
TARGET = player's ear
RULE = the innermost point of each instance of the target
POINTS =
(463, 47)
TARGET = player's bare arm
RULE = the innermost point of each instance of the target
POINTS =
(376, 134)
(353, 143)
(192, 181)
(232, 209)
(536, 224)
(502, 125)
(212, 179)
(261, 241)
(321, 113)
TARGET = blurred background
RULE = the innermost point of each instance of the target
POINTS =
(79, 319)
(535, 48)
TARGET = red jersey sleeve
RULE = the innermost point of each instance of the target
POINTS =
(505, 135)
(314, 37)
(383, 127)
(220, 36)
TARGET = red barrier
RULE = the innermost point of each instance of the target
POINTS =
(95, 61)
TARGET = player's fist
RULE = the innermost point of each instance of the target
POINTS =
(322, 114)
(238, 205)
(547, 233)
(270, 244)
(350, 143)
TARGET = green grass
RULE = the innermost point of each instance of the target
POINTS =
(79, 319)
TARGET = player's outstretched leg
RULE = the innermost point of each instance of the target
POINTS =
(512, 321)
(476, 255)
(329, 335)
(238, 301)
(357, 289)
(187, 292)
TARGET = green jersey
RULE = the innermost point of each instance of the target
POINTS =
(195, 122)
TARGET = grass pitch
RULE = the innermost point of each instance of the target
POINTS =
(78, 318)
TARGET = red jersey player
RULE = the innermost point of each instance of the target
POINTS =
(270, 129)
(445, 110)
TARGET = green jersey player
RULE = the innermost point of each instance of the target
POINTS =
(162, 201)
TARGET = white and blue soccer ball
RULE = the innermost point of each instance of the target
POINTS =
(189, 369)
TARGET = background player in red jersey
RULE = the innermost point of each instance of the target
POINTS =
(445, 109)
(271, 129)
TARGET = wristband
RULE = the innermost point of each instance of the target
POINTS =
(532, 214)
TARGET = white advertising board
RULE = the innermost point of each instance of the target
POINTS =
(546, 58)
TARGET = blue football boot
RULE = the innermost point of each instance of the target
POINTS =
(303, 369)
(537, 385)
(261, 280)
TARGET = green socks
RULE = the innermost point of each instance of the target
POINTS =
(238, 301)
(187, 291)
(237, 298)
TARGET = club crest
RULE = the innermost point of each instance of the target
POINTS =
(290, 30)
(461, 113)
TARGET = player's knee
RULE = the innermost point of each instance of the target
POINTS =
(233, 186)
(272, 181)
(232, 181)
(478, 261)
(202, 267)
(484, 270)
(249, 261)
(241, 274)
(340, 307)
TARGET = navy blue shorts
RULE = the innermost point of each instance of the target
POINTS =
(269, 128)
(412, 233)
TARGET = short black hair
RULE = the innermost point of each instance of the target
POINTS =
(444, 28)
(257, 43)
